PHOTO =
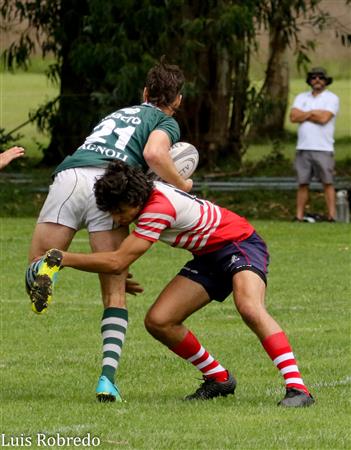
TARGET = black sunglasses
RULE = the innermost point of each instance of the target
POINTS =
(319, 77)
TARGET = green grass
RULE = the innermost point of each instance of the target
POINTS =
(50, 364)
(20, 94)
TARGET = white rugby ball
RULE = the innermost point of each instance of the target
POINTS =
(185, 158)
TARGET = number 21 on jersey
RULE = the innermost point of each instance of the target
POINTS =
(107, 132)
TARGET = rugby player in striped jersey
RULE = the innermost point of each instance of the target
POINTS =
(228, 257)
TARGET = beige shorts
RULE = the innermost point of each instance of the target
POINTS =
(71, 201)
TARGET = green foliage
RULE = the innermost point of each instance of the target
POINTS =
(103, 50)
(106, 47)
(50, 363)
(7, 138)
(44, 19)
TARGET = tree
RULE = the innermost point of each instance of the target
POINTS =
(284, 19)
(104, 49)
(57, 25)
(91, 50)
(216, 37)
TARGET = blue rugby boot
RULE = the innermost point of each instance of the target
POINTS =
(107, 391)
(40, 279)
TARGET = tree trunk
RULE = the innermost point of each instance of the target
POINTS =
(218, 100)
(240, 86)
(73, 122)
(270, 121)
(205, 117)
(75, 116)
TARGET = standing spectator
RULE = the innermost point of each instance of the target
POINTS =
(9, 155)
(315, 113)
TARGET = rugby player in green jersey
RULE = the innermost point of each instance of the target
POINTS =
(140, 136)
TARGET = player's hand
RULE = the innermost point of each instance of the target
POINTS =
(132, 286)
(188, 185)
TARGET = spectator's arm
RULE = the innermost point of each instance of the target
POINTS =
(299, 116)
(320, 116)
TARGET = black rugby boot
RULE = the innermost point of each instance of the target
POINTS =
(211, 388)
(294, 398)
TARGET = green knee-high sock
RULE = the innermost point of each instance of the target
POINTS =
(113, 329)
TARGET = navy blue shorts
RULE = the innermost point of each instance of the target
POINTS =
(214, 271)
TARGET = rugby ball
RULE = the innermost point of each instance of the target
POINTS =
(185, 158)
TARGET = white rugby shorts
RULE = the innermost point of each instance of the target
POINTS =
(71, 201)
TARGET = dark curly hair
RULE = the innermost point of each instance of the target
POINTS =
(164, 82)
(122, 185)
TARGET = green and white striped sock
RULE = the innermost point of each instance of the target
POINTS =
(113, 330)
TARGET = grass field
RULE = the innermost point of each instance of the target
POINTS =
(22, 93)
(50, 364)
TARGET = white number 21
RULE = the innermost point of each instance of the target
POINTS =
(105, 129)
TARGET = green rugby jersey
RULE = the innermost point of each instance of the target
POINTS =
(122, 135)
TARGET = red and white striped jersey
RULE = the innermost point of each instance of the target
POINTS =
(182, 220)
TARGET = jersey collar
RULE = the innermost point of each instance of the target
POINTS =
(151, 105)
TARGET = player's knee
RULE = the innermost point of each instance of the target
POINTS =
(249, 313)
(155, 323)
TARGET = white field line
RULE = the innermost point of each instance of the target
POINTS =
(322, 384)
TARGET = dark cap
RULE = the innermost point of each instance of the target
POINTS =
(319, 71)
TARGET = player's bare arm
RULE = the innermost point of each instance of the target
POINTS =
(108, 262)
(156, 154)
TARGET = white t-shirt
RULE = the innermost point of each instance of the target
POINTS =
(314, 136)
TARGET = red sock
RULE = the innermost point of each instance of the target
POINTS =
(191, 350)
(278, 348)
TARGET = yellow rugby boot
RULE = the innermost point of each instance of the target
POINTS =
(40, 291)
